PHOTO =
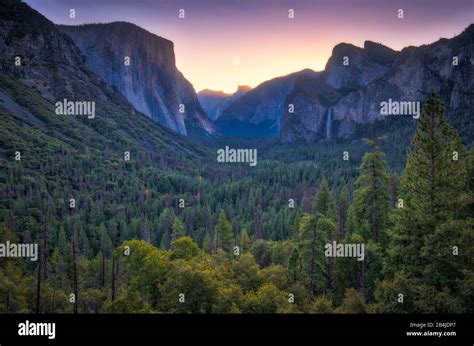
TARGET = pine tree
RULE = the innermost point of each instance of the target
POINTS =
(145, 231)
(295, 230)
(432, 222)
(432, 187)
(295, 267)
(244, 241)
(324, 203)
(342, 209)
(58, 268)
(368, 222)
(178, 229)
(370, 210)
(207, 244)
(42, 262)
(74, 266)
(165, 222)
(106, 250)
(224, 236)
(314, 234)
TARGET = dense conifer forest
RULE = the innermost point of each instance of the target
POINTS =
(171, 230)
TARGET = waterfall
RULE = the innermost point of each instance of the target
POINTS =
(329, 124)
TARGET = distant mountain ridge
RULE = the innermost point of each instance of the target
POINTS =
(215, 102)
(257, 113)
(343, 96)
(330, 104)
(151, 81)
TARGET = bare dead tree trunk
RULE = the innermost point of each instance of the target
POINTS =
(342, 222)
(38, 287)
(366, 288)
(330, 274)
(374, 216)
(45, 248)
(52, 302)
(42, 265)
(74, 267)
(312, 269)
(8, 300)
(113, 278)
(103, 270)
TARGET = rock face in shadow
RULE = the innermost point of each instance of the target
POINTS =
(215, 102)
(142, 67)
(258, 112)
(48, 61)
(51, 68)
(356, 81)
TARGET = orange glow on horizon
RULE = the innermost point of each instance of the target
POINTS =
(253, 67)
(261, 33)
(261, 58)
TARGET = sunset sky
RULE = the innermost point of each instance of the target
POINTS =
(259, 32)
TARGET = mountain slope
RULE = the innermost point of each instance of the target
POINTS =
(110, 165)
(52, 69)
(343, 97)
(215, 102)
(258, 112)
(142, 67)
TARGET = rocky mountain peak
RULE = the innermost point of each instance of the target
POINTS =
(356, 80)
(352, 67)
(379, 53)
(141, 65)
(242, 89)
(216, 93)
(49, 61)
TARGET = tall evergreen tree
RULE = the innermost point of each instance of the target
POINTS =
(342, 209)
(314, 234)
(74, 267)
(244, 241)
(295, 230)
(324, 203)
(224, 236)
(433, 241)
(432, 187)
(295, 267)
(106, 250)
(178, 229)
(369, 212)
(165, 222)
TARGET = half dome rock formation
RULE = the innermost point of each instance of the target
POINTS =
(215, 102)
(257, 113)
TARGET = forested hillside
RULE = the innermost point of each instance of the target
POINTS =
(132, 217)
(166, 233)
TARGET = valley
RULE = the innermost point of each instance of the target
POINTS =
(156, 199)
